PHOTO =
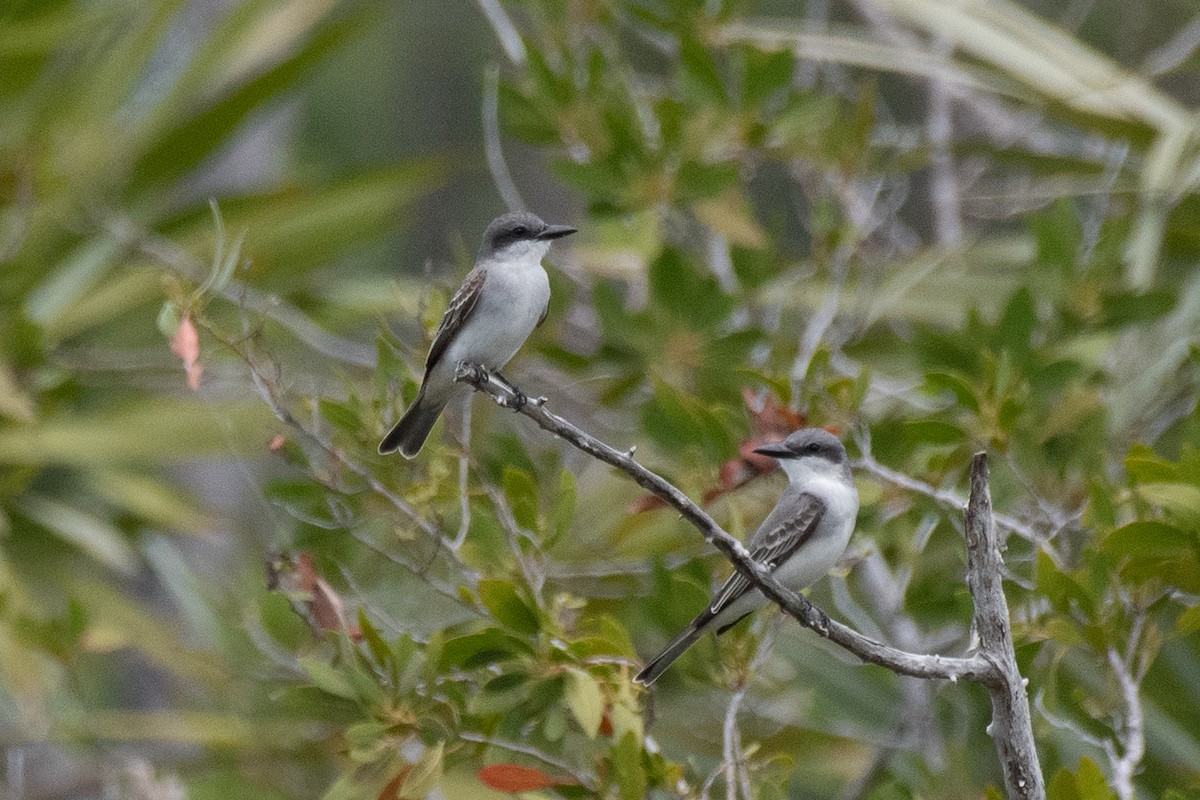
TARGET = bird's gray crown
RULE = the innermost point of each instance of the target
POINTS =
(518, 226)
(808, 443)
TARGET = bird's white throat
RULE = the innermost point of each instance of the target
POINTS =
(808, 468)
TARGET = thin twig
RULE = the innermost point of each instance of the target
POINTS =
(732, 744)
(492, 146)
(274, 308)
(1131, 734)
(941, 496)
(947, 213)
(535, 576)
(464, 463)
(506, 32)
(586, 779)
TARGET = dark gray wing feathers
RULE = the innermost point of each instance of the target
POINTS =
(461, 306)
(773, 543)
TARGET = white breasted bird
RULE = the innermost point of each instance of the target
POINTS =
(800, 540)
(491, 315)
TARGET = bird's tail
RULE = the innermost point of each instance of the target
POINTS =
(674, 650)
(410, 433)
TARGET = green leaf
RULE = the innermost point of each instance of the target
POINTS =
(585, 700)
(327, 679)
(507, 606)
(1188, 622)
(628, 771)
(699, 180)
(72, 279)
(197, 135)
(521, 491)
(700, 70)
(562, 510)
(487, 646)
(960, 387)
(765, 73)
(1090, 782)
(423, 776)
(1017, 323)
(380, 652)
(1153, 550)
(1180, 500)
(500, 694)
(91, 533)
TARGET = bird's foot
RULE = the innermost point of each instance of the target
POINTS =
(517, 399)
(822, 622)
(472, 373)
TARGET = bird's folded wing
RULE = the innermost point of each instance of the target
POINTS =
(789, 525)
(461, 306)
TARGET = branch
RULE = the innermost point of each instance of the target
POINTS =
(1010, 729)
(995, 665)
(972, 668)
(945, 498)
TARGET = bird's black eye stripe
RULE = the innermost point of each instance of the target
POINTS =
(813, 447)
(507, 236)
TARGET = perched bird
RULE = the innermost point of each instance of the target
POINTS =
(800, 540)
(491, 315)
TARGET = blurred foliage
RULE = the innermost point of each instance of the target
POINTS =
(754, 220)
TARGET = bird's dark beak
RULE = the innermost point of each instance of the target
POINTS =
(556, 232)
(776, 450)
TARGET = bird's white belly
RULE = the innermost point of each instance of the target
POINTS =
(813, 560)
(508, 309)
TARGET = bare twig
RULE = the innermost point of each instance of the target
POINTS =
(586, 780)
(535, 576)
(493, 148)
(994, 665)
(506, 32)
(942, 496)
(464, 463)
(732, 744)
(179, 260)
(973, 668)
(1011, 728)
(1131, 734)
(946, 211)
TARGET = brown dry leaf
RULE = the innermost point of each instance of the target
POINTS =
(185, 344)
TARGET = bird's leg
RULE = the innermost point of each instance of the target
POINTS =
(518, 399)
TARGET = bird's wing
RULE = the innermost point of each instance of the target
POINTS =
(789, 525)
(461, 306)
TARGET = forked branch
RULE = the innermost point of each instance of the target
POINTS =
(994, 664)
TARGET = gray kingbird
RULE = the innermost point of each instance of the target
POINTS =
(799, 541)
(491, 315)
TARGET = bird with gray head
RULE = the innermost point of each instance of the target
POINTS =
(491, 315)
(800, 540)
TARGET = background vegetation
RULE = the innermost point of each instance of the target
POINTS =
(936, 227)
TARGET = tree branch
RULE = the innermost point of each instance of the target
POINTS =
(972, 668)
(994, 665)
(1010, 729)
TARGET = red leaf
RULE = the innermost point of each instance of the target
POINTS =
(393, 786)
(514, 778)
(769, 423)
(277, 443)
(185, 344)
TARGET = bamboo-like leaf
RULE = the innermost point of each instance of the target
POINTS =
(92, 534)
